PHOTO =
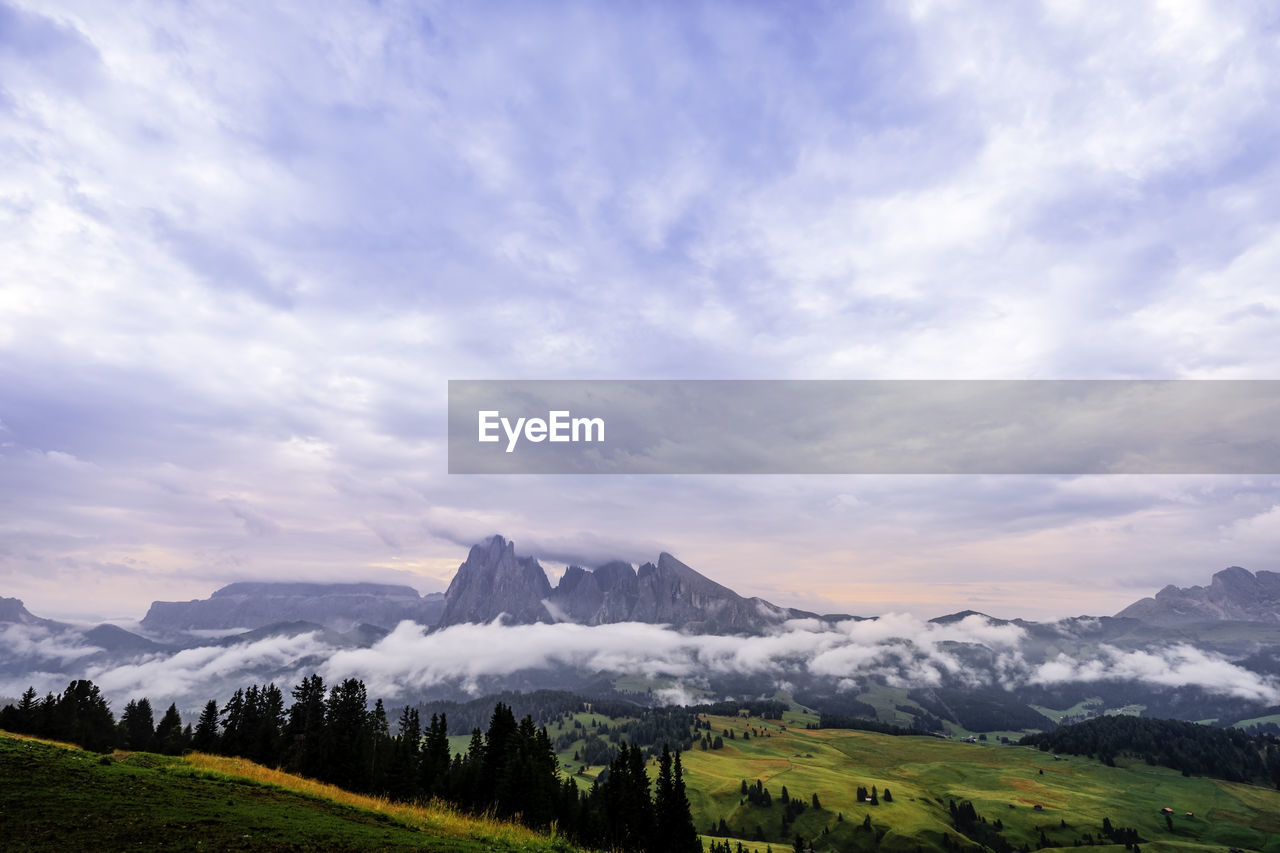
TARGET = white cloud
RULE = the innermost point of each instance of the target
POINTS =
(902, 650)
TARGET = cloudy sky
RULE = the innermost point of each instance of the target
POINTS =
(242, 251)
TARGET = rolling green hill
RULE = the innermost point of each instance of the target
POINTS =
(57, 797)
(1003, 782)
(924, 774)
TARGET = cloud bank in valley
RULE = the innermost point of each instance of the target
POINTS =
(409, 662)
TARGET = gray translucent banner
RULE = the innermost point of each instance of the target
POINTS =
(864, 427)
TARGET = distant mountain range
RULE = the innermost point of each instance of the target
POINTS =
(1195, 653)
(494, 582)
(1234, 594)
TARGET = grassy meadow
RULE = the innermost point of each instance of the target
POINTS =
(924, 774)
(59, 797)
(1003, 782)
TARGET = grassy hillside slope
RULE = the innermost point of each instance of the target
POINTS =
(1002, 782)
(56, 797)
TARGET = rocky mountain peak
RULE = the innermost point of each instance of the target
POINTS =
(614, 574)
(1234, 593)
(494, 581)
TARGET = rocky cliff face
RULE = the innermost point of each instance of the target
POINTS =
(255, 605)
(1234, 593)
(494, 581)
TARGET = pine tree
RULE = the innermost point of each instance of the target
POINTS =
(379, 747)
(233, 736)
(435, 756)
(264, 741)
(305, 729)
(674, 829)
(206, 734)
(499, 749)
(25, 712)
(347, 731)
(625, 811)
(402, 778)
(138, 726)
(79, 715)
(169, 737)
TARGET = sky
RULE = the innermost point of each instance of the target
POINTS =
(243, 248)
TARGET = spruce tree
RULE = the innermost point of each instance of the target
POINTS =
(206, 734)
(347, 729)
(80, 715)
(169, 737)
(137, 726)
(402, 778)
(264, 741)
(304, 731)
(25, 716)
(233, 724)
(685, 837)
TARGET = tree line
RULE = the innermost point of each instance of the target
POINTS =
(1194, 749)
(334, 735)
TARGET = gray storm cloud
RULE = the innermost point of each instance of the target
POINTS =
(902, 650)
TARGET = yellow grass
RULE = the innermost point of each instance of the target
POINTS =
(60, 743)
(435, 817)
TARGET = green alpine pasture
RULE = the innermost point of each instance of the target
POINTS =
(57, 797)
(924, 774)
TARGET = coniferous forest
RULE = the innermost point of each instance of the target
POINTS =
(1194, 749)
(333, 734)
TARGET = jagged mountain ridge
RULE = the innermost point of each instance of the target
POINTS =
(1234, 594)
(494, 582)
